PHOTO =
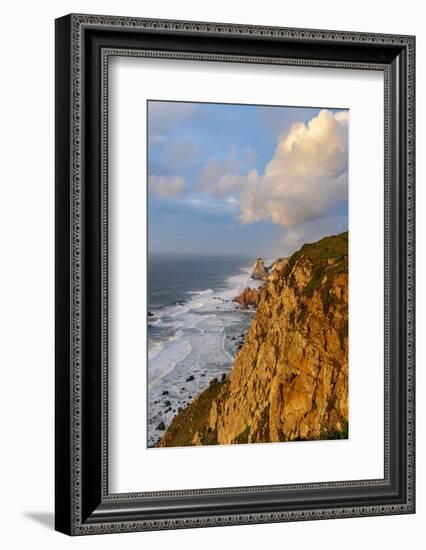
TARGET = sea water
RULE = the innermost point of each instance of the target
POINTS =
(194, 328)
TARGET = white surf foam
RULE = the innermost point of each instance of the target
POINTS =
(201, 292)
(166, 358)
(197, 348)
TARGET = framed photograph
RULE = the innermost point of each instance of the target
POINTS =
(234, 274)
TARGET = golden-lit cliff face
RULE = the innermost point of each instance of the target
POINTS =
(290, 379)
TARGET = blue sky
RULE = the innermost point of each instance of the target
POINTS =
(243, 179)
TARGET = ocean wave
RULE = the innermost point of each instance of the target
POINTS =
(154, 349)
(195, 312)
(167, 358)
(182, 310)
(201, 292)
(197, 347)
(208, 299)
(156, 346)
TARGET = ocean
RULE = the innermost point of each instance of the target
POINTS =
(194, 328)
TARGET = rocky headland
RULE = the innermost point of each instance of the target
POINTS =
(289, 380)
(260, 271)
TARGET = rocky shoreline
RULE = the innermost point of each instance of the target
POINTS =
(216, 381)
(289, 380)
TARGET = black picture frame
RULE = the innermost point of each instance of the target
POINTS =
(83, 45)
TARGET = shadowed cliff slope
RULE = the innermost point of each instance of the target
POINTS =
(290, 379)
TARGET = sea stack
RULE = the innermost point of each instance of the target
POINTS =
(248, 297)
(259, 272)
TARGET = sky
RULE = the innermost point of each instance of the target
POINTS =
(247, 180)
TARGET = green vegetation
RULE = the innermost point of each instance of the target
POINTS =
(336, 434)
(333, 246)
(243, 436)
(328, 257)
(194, 419)
(326, 435)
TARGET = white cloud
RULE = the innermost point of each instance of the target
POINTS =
(228, 183)
(212, 205)
(165, 186)
(197, 203)
(221, 178)
(307, 174)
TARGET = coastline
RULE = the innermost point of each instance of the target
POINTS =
(289, 381)
(247, 300)
(200, 338)
(211, 390)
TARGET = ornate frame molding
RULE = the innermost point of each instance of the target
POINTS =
(72, 45)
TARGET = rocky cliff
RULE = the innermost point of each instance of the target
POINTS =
(259, 271)
(276, 269)
(278, 265)
(290, 379)
(248, 297)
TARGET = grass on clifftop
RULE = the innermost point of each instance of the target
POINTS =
(334, 247)
(328, 257)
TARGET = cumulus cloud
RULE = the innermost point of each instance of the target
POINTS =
(214, 206)
(305, 177)
(221, 184)
(221, 178)
(165, 186)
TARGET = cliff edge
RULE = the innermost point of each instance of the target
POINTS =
(290, 379)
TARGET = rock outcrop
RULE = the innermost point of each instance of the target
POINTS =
(260, 271)
(278, 265)
(248, 297)
(276, 269)
(290, 379)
